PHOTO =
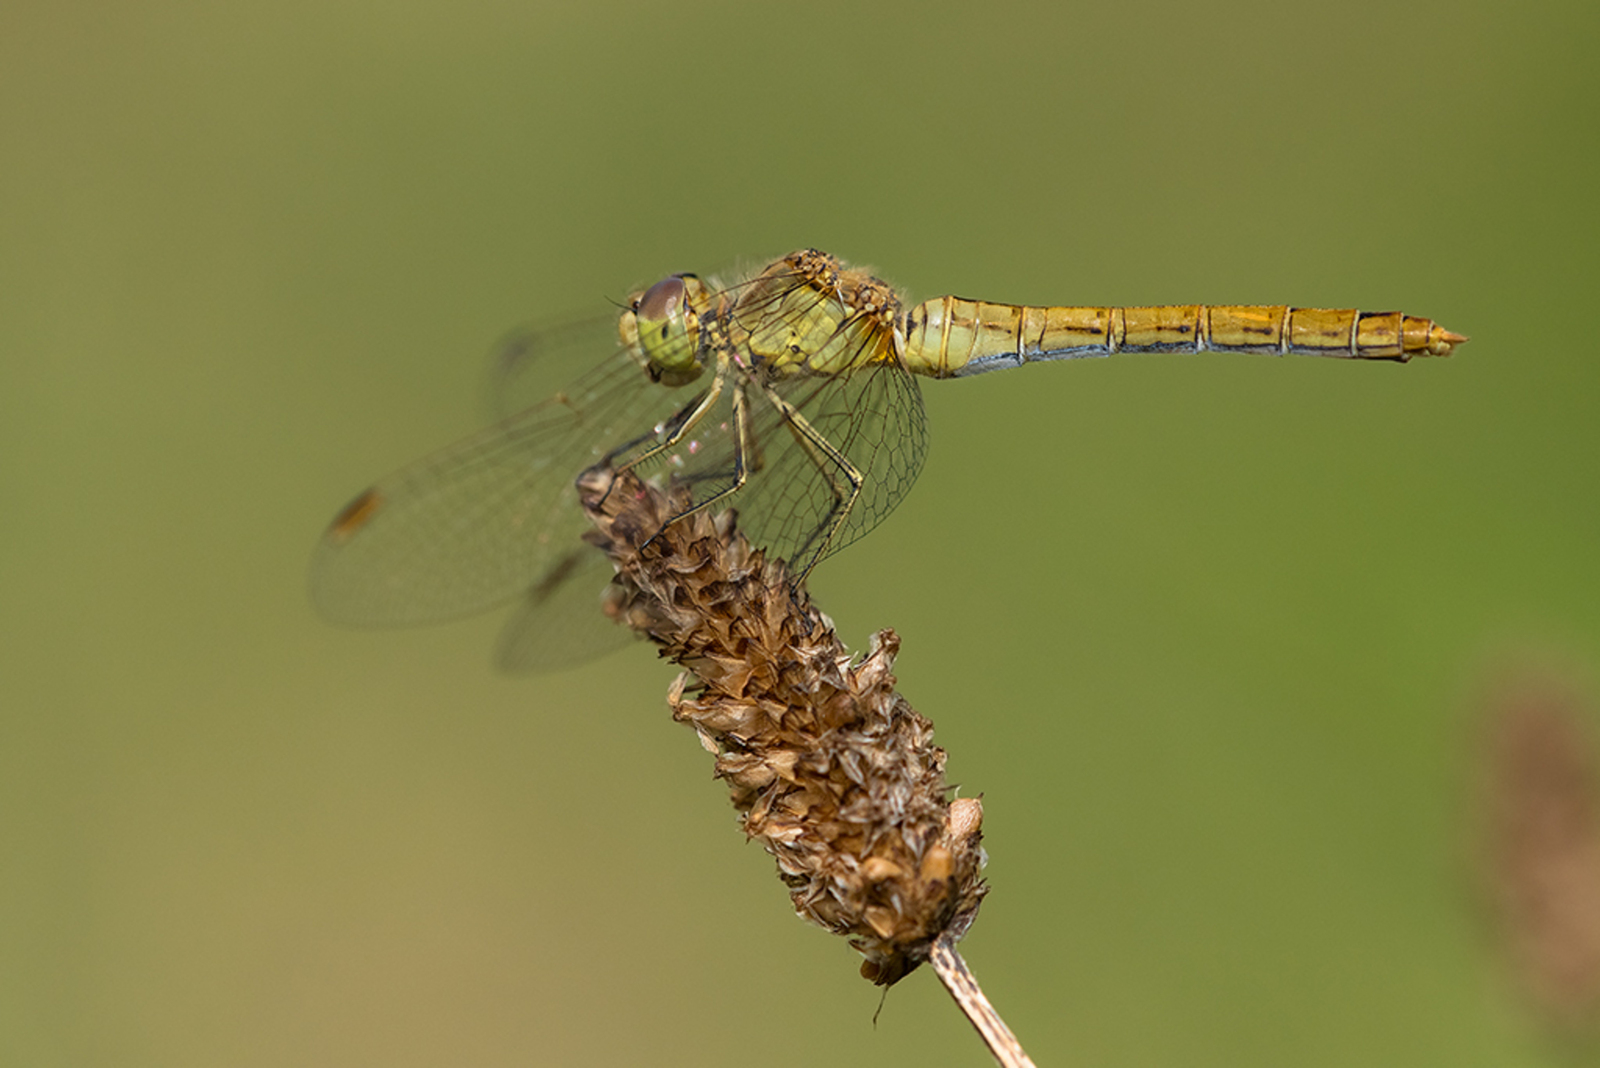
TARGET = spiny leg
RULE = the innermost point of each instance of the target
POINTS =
(677, 433)
(743, 445)
(679, 430)
(831, 463)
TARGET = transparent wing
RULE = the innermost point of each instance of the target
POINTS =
(812, 459)
(873, 418)
(488, 518)
(559, 622)
(807, 435)
(533, 361)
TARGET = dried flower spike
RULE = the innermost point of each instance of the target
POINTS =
(830, 769)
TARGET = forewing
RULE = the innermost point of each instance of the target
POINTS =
(534, 361)
(487, 518)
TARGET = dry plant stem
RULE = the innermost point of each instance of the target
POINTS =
(830, 769)
(963, 987)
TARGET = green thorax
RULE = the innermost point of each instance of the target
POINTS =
(807, 314)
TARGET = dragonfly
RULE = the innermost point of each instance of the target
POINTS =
(790, 393)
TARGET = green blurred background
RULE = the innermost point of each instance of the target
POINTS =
(1205, 633)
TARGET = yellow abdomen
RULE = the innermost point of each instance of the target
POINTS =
(949, 336)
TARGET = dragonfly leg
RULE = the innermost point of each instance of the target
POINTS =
(680, 427)
(843, 477)
(742, 449)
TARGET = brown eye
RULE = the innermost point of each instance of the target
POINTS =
(668, 329)
(662, 301)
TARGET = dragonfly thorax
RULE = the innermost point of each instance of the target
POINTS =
(661, 325)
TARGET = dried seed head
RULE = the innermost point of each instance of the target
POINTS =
(830, 769)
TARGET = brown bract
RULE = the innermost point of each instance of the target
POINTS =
(831, 770)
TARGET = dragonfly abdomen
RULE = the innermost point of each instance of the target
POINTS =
(950, 337)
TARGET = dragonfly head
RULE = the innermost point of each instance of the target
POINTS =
(663, 327)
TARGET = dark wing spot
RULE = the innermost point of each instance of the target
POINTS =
(558, 573)
(357, 514)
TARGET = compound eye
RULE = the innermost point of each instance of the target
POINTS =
(662, 302)
(668, 332)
